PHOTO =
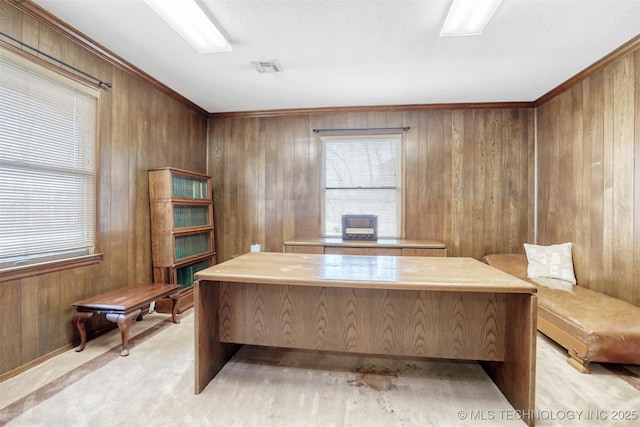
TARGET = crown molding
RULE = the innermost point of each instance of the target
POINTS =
(594, 68)
(33, 10)
(41, 15)
(370, 109)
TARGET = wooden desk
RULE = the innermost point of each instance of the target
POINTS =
(454, 308)
(122, 306)
(393, 247)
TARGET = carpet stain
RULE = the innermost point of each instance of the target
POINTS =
(378, 378)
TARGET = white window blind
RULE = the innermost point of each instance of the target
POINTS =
(47, 164)
(362, 176)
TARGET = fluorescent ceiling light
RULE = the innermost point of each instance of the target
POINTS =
(189, 20)
(468, 17)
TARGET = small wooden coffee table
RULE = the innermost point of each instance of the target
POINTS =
(122, 306)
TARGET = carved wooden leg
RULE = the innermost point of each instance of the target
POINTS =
(78, 321)
(581, 365)
(124, 324)
(174, 307)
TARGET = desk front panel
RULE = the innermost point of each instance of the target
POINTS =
(453, 325)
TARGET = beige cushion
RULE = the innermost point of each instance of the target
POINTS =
(550, 262)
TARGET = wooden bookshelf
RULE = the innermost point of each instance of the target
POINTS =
(182, 231)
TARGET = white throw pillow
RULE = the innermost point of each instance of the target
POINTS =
(553, 262)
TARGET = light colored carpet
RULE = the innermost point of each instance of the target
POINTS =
(266, 387)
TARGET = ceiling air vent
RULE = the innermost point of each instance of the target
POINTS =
(267, 66)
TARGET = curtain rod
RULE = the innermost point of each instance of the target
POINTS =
(100, 82)
(404, 129)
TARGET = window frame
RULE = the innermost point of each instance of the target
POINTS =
(359, 136)
(52, 71)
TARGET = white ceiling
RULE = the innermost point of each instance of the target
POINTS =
(344, 53)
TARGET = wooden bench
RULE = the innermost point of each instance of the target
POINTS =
(122, 306)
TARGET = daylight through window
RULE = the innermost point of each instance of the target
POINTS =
(362, 176)
(47, 164)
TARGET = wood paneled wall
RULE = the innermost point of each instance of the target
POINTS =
(589, 176)
(468, 177)
(141, 127)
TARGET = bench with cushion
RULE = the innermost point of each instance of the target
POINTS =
(122, 306)
(592, 326)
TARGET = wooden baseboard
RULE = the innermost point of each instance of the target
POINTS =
(109, 326)
(35, 362)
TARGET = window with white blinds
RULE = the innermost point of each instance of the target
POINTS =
(47, 164)
(362, 175)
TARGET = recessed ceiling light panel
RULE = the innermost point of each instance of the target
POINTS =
(188, 19)
(469, 17)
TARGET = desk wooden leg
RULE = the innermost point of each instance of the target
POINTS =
(78, 321)
(516, 376)
(124, 324)
(210, 353)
